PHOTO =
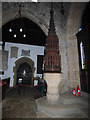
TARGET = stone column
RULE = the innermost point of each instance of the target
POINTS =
(53, 80)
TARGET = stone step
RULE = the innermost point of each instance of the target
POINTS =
(75, 113)
(70, 99)
(61, 115)
(62, 110)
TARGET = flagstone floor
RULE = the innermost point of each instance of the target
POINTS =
(20, 105)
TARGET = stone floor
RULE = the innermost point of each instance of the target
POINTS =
(21, 105)
(27, 105)
(68, 106)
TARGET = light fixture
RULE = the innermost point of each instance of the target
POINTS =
(21, 29)
(10, 30)
(62, 9)
(17, 24)
(15, 35)
(24, 72)
(24, 35)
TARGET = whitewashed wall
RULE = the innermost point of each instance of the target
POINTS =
(34, 51)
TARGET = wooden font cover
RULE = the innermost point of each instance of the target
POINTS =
(52, 59)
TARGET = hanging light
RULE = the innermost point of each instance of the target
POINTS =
(21, 29)
(10, 30)
(19, 26)
(62, 9)
(24, 35)
(15, 35)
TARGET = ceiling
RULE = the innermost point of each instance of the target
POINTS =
(34, 35)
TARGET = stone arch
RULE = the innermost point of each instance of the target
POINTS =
(73, 25)
(9, 14)
(18, 63)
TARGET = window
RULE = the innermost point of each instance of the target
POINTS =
(82, 55)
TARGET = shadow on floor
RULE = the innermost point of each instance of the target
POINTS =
(20, 102)
(22, 91)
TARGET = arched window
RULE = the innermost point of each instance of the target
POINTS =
(82, 55)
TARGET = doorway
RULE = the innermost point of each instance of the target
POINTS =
(22, 67)
(24, 74)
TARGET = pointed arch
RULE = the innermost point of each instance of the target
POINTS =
(9, 15)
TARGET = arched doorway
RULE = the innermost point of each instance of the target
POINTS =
(24, 69)
(24, 74)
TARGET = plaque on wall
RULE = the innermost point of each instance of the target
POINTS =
(3, 60)
(14, 52)
(25, 53)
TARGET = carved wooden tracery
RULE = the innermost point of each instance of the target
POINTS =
(52, 59)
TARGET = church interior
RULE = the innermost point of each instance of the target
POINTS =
(44, 59)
